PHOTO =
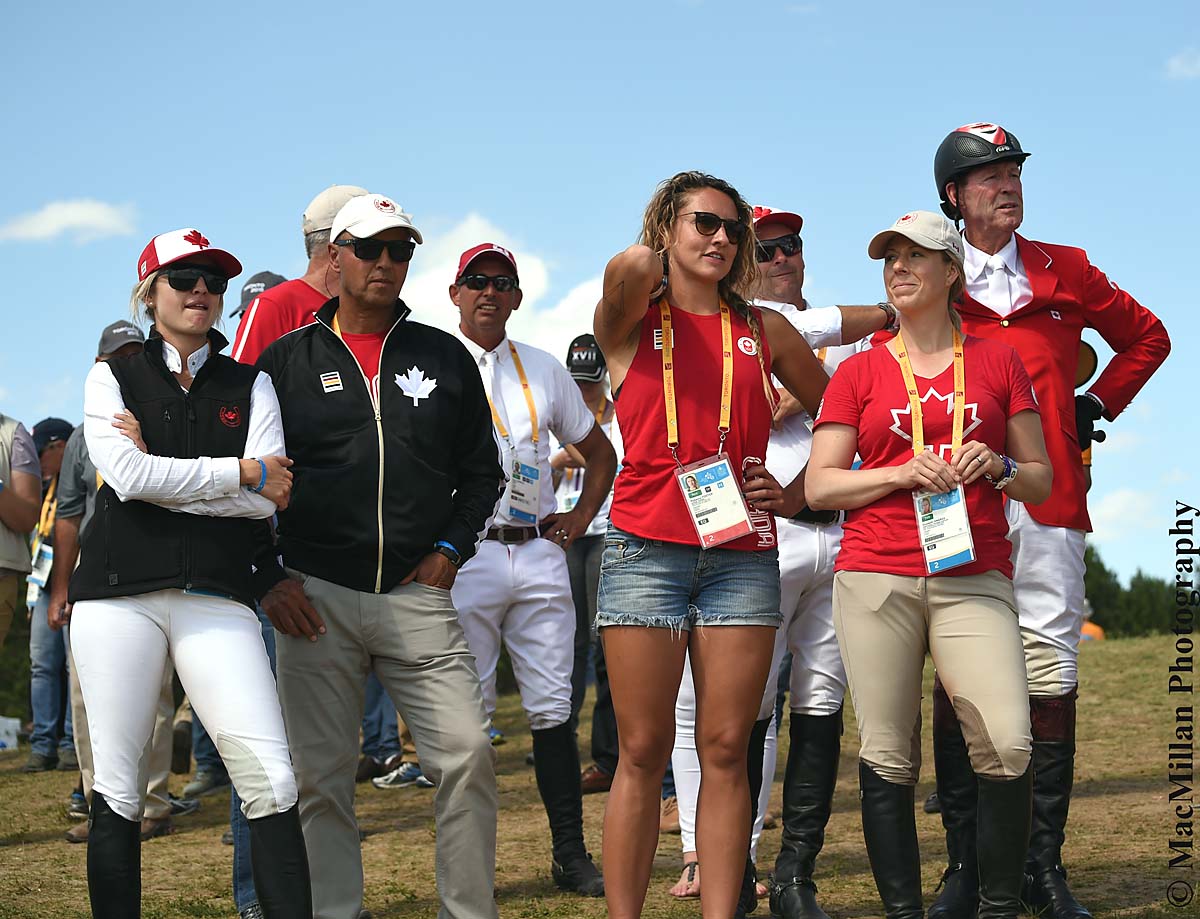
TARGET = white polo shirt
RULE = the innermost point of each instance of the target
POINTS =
(561, 412)
(790, 445)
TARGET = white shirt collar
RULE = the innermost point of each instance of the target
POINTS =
(500, 351)
(174, 361)
(976, 261)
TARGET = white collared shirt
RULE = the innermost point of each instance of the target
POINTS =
(208, 486)
(979, 267)
(562, 414)
(791, 443)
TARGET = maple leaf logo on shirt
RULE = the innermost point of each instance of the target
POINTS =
(196, 238)
(415, 385)
(971, 419)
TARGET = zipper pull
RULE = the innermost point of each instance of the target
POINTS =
(166, 415)
(191, 410)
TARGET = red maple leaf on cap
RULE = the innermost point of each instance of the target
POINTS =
(196, 238)
(761, 212)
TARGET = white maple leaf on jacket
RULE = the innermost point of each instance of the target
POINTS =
(415, 385)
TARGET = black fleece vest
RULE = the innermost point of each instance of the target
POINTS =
(134, 547)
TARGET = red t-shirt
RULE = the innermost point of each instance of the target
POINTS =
(647, 501)
(867, 392)
(367, 350)
(272, 314)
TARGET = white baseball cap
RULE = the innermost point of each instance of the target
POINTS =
(368, 215)
(324, 207)
(925, 228)
(167, 248)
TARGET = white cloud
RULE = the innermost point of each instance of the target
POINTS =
(1121, 511)
(84, 219)
(1118, 441)
(548, 326)
(1185, 65)
(1175, 476)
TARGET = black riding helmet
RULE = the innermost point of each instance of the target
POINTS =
(967, 147)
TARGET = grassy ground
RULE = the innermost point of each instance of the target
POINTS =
(1117, 843)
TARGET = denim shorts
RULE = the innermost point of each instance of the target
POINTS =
(667, 585)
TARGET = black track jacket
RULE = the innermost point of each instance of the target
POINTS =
(376, 486)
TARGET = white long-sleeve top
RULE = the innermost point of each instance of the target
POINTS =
(208, 486)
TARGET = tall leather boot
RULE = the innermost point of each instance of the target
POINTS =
(1004, 815)
(808, 783)
(890, 830)
(114, 863)
(279, 863)
(956, 789)
(1046, 890)
(556, 765)
(748, 895)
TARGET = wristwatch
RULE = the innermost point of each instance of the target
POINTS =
(444, 548)
(1, 484)
(893, 318)
(1009, 473)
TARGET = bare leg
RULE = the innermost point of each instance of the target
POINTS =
(644, 669)
(729, 666)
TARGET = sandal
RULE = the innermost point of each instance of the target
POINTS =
(691, 887)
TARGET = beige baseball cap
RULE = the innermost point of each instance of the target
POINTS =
(366, 215)
(925, 228)
(324, 207)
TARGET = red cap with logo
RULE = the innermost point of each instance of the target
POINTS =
(793, 222)
(475, 252)
(177, 245)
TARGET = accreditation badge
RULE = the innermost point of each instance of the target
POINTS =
(523, 493)
(713, 494)
(944, 529)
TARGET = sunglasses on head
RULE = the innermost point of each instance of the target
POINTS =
(502, 282)
(186, 278)
(790, 245)
(398, 250)
(707, 225)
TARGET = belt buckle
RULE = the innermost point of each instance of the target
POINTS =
(517, 536)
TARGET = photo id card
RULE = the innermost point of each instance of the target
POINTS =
(944, 529)
(523, 493)
(713, 494)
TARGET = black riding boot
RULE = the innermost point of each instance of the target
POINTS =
(556, 765)
(956, 789)
(808, 783)
(748, 895)
(279, 863)
(1046, 890)
(890, 830)
(114, 863)
(1004, 814)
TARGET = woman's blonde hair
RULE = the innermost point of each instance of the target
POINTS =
(658, 223)
(956, 291)
(140, 308)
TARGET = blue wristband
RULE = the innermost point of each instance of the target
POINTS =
(450, 546)
(262, 483)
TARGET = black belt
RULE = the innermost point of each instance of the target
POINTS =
(817, 518)
(513, 535)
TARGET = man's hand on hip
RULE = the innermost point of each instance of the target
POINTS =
(434, 570)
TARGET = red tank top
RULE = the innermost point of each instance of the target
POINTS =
(647, 501)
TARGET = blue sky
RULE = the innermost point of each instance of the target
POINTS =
(545, 126)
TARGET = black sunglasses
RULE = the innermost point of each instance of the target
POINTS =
(707, 225)
(790, 244)
(502, 282)
(398, 250)
(186, 278)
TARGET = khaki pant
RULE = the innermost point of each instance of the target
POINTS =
(412, 639)
(155, 768)
(885, 624)
(10, 584)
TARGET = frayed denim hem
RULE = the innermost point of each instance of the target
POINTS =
(677, 625)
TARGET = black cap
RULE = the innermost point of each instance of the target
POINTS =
(585, 360)
(117, 336)
(967, 147)
(264, 280)
(48, 430)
